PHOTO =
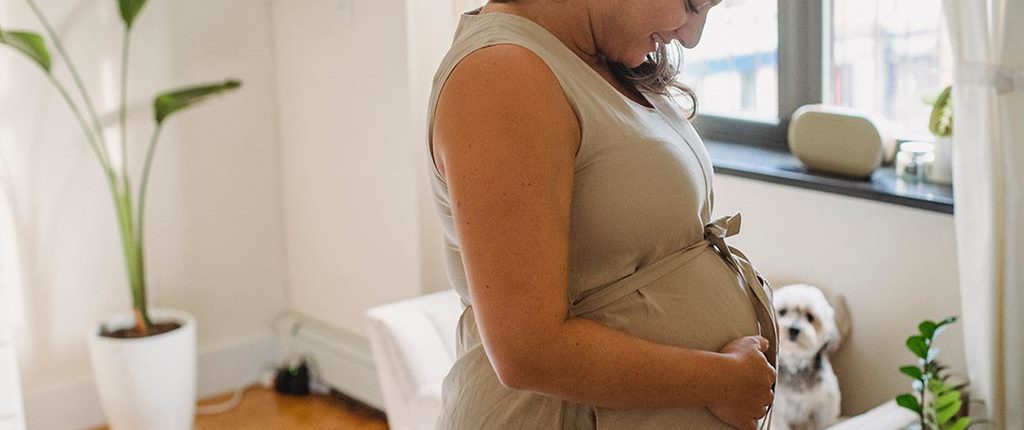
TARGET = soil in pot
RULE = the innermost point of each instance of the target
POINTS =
(130, 332)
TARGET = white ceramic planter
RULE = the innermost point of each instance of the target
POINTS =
(146, 383)
(940, 171)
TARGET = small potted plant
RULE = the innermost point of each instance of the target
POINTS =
(143, 360)
(941, 125)
(938, 403)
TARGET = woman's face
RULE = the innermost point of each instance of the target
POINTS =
(625, 30)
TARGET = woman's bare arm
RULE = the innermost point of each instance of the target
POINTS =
(505, 138)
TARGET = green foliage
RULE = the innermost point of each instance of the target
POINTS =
(918, 345)
(130, 10)
(908, 401)
(30, 44)
(941, 121)
(168, 103)
(911, 371)
(935, 401)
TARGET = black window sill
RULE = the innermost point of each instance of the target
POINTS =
(779, 166)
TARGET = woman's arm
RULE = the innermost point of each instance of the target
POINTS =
(505, 138)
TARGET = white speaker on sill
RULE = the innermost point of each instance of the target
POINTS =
(839, 140)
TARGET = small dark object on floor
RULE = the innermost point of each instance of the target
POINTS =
(293, 378)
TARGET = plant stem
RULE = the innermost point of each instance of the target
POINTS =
(144, 185)
(133, 240)
(141, 212)
(123, 201)
(125, 44)
(924, 382)
(78, 80)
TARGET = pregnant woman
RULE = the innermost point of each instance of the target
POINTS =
(576, 202)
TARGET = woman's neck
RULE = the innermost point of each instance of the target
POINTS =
(570, 21)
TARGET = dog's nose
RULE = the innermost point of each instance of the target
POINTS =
(793, 333)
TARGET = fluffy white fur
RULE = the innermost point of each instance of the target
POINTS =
(807, 392)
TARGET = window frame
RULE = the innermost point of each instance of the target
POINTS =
(803, 29)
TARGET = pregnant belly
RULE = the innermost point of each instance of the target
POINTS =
(703, 305)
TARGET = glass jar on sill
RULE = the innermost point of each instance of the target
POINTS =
(912, 159)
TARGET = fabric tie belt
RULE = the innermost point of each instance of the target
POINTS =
(759, 291)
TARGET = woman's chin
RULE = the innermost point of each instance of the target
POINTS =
(633, 65)
(690, 44)
(635, 62)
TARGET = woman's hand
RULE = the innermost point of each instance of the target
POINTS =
(747, 387)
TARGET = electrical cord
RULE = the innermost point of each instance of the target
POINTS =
(316, 386)
(236, 397)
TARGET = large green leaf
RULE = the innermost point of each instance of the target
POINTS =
(908, 401)
(945, 414)
(174, 101)
(927, 329)
(912, 371)
(129, 10)
(918, 346)
(961, 424)
(30, 44)
(947, 399)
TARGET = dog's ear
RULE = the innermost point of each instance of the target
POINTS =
(843, 324)
(833, 340)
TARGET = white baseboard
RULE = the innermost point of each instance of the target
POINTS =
(342, 359)
(222, 368)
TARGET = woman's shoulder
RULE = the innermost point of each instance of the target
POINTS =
(510, 79)
(504, 97)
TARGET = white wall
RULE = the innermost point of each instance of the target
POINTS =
(353, 79)
(215, 238)
(895, 265)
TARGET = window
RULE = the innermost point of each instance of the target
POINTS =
(761, 60)
(887, 56)
(735, 66)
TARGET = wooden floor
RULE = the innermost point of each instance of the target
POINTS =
(263, 408)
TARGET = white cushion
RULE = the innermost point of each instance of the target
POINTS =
(413, 344)
(888, 416)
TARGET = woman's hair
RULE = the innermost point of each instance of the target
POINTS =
(657, 74)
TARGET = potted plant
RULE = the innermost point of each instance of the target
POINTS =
(144, 360)
(938, 403)
(941, 126)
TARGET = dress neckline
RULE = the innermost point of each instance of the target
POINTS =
(475, 14)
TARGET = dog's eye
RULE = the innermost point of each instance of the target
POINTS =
(810, 318)
(782, 312)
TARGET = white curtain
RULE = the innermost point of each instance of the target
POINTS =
(988, 167)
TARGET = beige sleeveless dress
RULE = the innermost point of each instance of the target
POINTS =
(645, 256)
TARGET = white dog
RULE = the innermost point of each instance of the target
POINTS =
(807, 392)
